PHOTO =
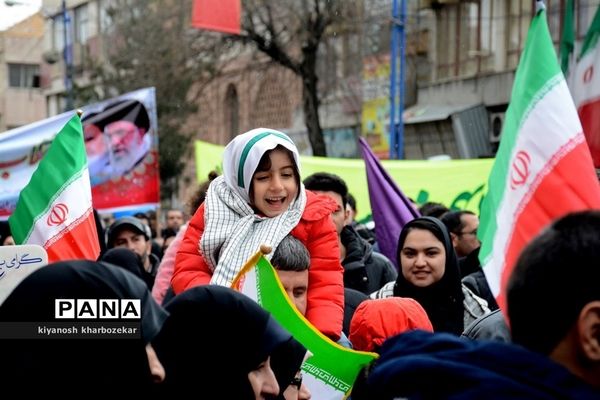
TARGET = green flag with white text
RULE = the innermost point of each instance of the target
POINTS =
(332, 369)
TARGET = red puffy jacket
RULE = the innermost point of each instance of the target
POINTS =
(325, 308)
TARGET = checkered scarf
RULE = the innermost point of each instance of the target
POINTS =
(233, 232)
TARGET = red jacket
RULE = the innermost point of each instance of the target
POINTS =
(325, 308)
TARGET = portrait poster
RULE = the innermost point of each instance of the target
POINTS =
(121, 137)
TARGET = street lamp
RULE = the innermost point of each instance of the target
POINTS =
(68, 57)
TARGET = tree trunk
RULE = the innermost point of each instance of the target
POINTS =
(310, 105)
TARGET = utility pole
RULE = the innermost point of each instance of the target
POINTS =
(398, 43)
(68, 57)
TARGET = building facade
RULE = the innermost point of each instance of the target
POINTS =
(21, 98)
(475, 48)
(460, 59)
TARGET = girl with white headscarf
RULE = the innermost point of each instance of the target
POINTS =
(260, 199)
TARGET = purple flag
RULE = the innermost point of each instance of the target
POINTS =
(390, 208)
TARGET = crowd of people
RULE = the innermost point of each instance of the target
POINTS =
(432, 320)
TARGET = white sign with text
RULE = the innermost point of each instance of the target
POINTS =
(16, 263)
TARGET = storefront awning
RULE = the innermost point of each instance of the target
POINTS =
(420, 113)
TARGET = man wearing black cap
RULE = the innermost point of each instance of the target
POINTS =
(133, 234)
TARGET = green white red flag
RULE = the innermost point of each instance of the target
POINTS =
(585, 87)
(543, 168)
(54, 210)
(332, 369)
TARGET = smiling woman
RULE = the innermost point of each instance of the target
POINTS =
(13, 11)
(429, 274)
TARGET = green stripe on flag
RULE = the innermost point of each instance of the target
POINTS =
(64, 162)
(339, 364)
(591, 37)
(247, 149)
(538, 72)
(567, 41)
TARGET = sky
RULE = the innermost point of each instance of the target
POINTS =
(10, 15)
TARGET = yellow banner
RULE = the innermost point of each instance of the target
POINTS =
(458, 184)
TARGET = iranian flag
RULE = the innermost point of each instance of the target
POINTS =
(331, 370)
(543, 168)
(54, 210)
(585, 85)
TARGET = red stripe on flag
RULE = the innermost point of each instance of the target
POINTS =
(217, 15)
(79, 242)
(570, 186)
(588, 114)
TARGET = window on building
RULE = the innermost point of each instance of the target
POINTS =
(585, 13)
(82, 24)
(106, 20)
(327, 64)
(458, 46)
(469, 21)
(490, 24)
(232, 112)
(519, 18)
(24, 75)
(555, 18)
(55, 104)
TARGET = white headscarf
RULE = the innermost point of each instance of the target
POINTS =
(232, 231)
(243, 153)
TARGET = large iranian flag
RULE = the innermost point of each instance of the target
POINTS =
(543, 168)
(54, 210)
(585, 85)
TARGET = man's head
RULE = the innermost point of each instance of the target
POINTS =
(350, 209)
(291, 260)
(142, 217)
(553, 295)
(333, 186)
(432, 209)
(174, 219)
(462, 226)
(133, 234)
(120, 131)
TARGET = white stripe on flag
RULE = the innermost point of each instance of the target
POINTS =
(249, 286)
(586, 78)
(77, 196)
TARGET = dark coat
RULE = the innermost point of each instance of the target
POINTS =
(423, 365)
(364, 269)
(352, 299)
(478, 284)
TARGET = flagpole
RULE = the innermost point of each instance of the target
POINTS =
(539, 5)
(396, 131)
(263, 250)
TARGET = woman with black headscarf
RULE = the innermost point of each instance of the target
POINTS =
(286, 361)
(63, 366)
(129, 260)
(429, 274)
(217, 340)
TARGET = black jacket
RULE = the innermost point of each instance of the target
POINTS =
(364, 269)
(478, 284)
